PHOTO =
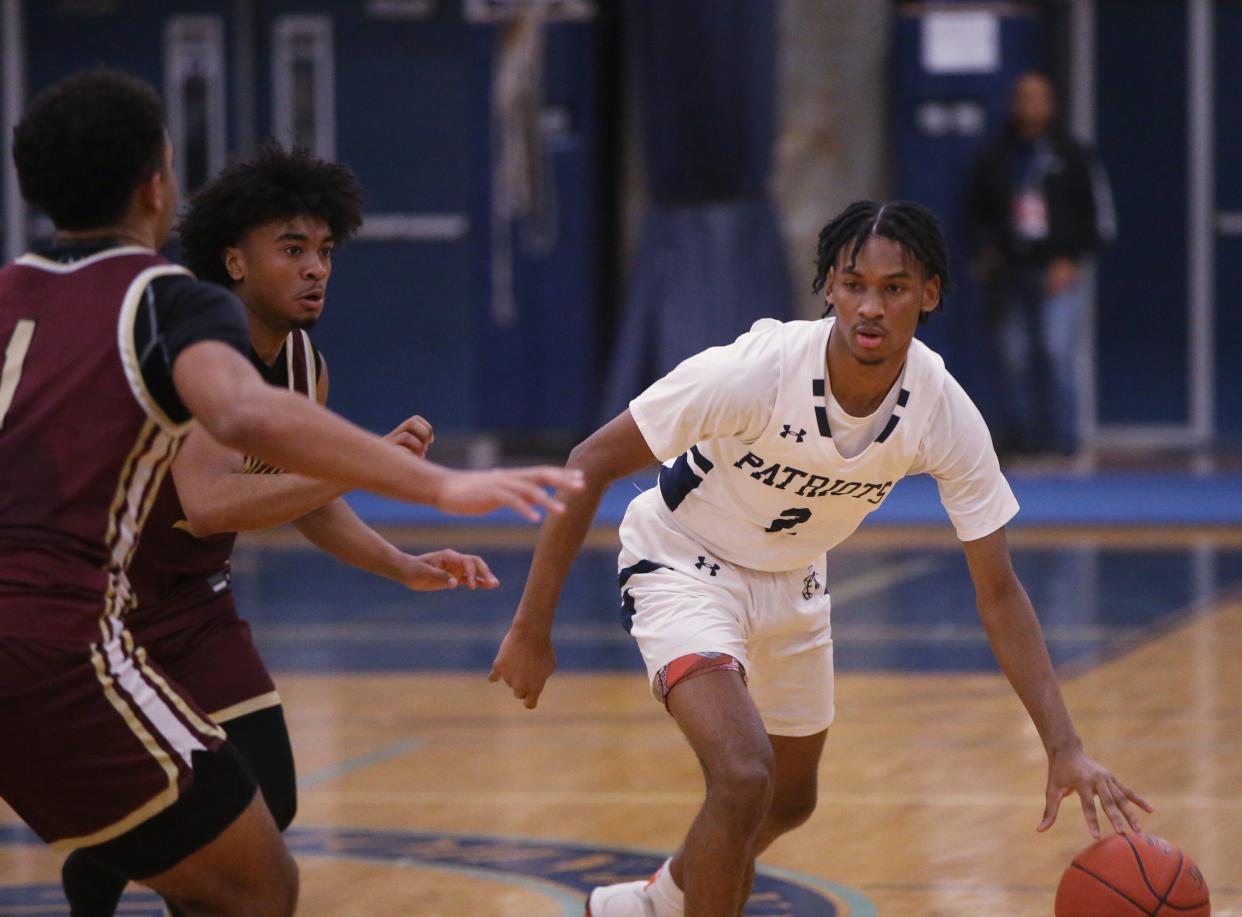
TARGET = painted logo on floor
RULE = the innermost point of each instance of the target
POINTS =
(563, 872)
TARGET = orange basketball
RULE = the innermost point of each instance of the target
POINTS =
(1128, 875)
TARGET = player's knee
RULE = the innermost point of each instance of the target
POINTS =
(287, 884)
(789, 812)
(270, 891)
(275, 894)
(278, 894)
(743, 788)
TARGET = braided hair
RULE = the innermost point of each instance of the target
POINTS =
(910, 225)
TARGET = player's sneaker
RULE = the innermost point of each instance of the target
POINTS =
(628, 899)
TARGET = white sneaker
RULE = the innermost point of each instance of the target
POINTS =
(629, 899)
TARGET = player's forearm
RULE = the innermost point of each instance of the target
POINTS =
(560, 539)
(246, 502)
(615, 450)
(1018, 643)
(336, 530)
(288, 430)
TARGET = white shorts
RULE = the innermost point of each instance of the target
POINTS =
(680, 600)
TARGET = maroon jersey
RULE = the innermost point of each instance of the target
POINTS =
(175, 575)
(89, 423)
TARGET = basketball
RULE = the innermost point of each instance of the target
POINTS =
(1131, 874)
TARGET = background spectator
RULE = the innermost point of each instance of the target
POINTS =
(1038, 206)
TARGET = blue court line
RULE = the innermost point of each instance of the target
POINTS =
(513, 866)
(544, 860)
(1106, 498)
(352, 765)
(859, 905)
(570, 902)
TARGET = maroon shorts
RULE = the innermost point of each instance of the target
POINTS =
(212, 656)
(96, 738)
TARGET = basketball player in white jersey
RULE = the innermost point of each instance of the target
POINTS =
(776, 447)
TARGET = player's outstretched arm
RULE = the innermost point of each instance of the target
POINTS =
(238, 408)
(526, 659)
(218, 496)
(336, 530)
(1018, 643)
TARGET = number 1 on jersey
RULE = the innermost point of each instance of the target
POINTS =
(788, 519)
(11, 368)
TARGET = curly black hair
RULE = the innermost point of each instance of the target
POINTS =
(273, 184)
(907, 223)
(85, 144)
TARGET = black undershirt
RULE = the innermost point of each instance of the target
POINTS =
(178, 311)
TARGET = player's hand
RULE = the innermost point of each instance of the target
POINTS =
(471, 493)
(413, 433)
(446, 569)
(525, 662)
(1072, 771)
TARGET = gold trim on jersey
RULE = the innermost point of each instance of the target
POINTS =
(139, 655)
(30, 259)
(153, 806)
(116, 585)
(137, 487)
(11, 363)
(129, 350)
(254, 466)
(255, 704)
(296, 338)
(299, 339)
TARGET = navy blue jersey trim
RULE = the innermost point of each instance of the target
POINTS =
(628, 608)
(821, 419)
(821, 412)
(678, 479)
(902, 397)
(627, 611)
(643, 566)
(888, 429)
(701, 460)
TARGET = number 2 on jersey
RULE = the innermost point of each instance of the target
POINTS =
(11, 368)
(788, 519)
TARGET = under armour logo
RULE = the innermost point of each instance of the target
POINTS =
(704, 563)
(787, 432)
(810, 585)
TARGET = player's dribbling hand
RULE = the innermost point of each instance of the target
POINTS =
(1073, 771)
(415, 434)
(521, 489)
(525, 662)
(447, 569)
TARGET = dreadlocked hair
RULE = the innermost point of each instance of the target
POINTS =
(910, 225)
(274, 184)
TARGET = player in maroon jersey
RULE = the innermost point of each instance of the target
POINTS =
(107, 353)
(266, 228)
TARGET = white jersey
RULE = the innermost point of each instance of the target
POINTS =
(752, 471)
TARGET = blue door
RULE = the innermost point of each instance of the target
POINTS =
(411, 324)
(182, 47)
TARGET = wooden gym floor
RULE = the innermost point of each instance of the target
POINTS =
(427, 791)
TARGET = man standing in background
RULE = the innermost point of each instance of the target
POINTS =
(1038, 206)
